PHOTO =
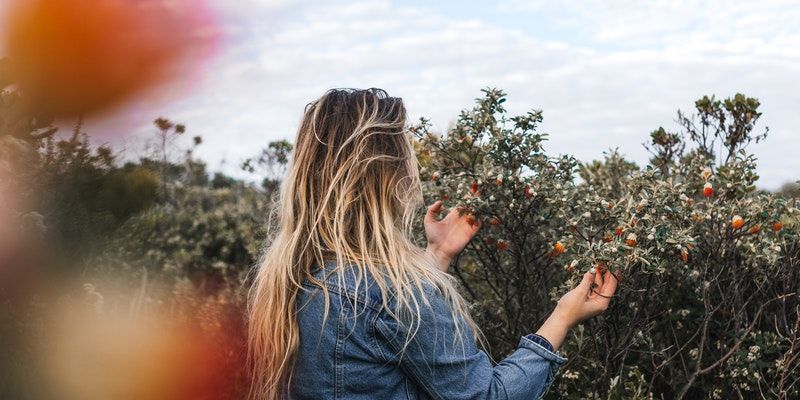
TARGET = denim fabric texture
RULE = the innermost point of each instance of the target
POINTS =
(360, 352)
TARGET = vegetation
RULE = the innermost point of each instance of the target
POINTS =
(708, 303)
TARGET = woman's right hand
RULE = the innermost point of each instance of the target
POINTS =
(579, 304)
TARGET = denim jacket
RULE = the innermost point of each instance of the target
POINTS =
(358, 351)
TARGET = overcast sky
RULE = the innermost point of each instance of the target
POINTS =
(606, 73)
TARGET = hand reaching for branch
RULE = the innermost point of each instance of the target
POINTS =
(590, 298)
(447, 237)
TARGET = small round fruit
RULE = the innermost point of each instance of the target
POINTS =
(755, 229)
(708, 189)
(529, 193)
(473, 187)
(777, 226)
(631, 240)
(737, 222)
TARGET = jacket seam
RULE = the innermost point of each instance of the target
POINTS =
(338, 365)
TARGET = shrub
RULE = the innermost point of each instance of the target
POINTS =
(708, 265)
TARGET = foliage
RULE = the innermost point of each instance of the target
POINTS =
(707, 305)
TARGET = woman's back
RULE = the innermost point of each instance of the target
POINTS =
(360, 351)
(342, 354)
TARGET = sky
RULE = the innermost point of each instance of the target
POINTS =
(605, 73)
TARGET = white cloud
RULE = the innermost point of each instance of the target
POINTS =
(629, 67)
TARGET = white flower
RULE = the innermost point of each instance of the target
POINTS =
(693, 353)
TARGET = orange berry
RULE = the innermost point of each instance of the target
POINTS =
(685, 255)
(528, 193)
(494, 221)
(755, 229)
(558, 249)
(473, 187)
(708, 190)
(777, 226)
(737, 222)
(607, 237)
(631, 240)
(619, 231)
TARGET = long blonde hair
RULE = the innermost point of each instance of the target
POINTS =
(351, 195)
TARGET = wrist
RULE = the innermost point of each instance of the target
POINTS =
(555, 329)
(442, 259)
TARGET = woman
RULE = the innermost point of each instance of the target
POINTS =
(345, 305)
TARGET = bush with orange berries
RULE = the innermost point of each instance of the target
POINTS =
(702, 283)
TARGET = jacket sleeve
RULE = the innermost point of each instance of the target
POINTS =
(447, 368)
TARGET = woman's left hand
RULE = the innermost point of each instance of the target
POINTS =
(446, 238)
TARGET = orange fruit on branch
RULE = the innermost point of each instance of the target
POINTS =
(631, 240)
(708, 189)
(473, 188)
(529, 193)
(558, 249)
(737, 222)
(502, 245)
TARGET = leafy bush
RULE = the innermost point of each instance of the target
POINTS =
(708, 265)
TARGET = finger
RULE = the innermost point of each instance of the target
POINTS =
(433, 209)
(610, 286)
(586, 282)
(598, 277)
